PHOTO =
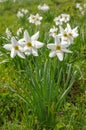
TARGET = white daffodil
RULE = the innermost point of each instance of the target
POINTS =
(8, 33)
(19, 31)
(65, 17)
(35, 19)
(43, 7)
(58, 49)
(58, 20)
(68, 34)
(15, 48)
(30, 44)
(53, 31)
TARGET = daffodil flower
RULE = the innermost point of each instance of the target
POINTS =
(58, 49)
(68, 34)
(15, 48)
(30, 44)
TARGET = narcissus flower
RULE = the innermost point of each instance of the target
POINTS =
(35, 19)
(30, 44)
(68, 34)
(43, 7)
(58, 49)
(53, 31)
(15, 48)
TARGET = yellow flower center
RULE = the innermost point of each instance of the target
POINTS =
(70, 34)
(16, 48)
(29, 44)
(65, 35)
(58, 47)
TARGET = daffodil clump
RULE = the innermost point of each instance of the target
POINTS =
(48, 80)
(29, 45)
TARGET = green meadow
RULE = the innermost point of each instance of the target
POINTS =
(38, 92)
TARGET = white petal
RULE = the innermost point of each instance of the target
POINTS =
(20, 54)
(57, 40)
(35, 36)
(52, 54)
(27, 53)
(60, 56)
(68, 27)
(8, 46)
(34, 52)
(14, 41)
(37, 44)
(22, 42)
(51, 46)
(26, 36)
(66, 50)
(13, 53)
(27, 48)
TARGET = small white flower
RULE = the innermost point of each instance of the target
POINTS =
(65, 17)
(20, 14)
(43, 7)
(30, 44)
(58, 20)
(84, 5)
(8, 33)
(35, 19)
(3, 0)
(24, 11)
(15, 48)
(58, 49)
(53, 31)
(19, 31)
(68, 34)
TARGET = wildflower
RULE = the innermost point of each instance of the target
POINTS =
(22, 13)
(58, 20)
(53, 31)
(3, 0)
(68, 34)
(58, 48)
(15, 48)
(43, 7)
(19, 31)
(8, 33)
(35, 19)
(30, 44)
(65, 17)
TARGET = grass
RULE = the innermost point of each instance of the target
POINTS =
(13, 108)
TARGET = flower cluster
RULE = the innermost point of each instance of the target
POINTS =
(63, 18)
(25, 46)
(81, 8)
(62, 42)
(21, 13)
(35, 19)
(29, 45)
(43, 7)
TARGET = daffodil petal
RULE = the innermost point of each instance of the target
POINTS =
(13, 53)
(37, 44)
(26, 36)
(8, 46)
(60, 56)
(51, 46)
(52, 54)
(35, 36)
